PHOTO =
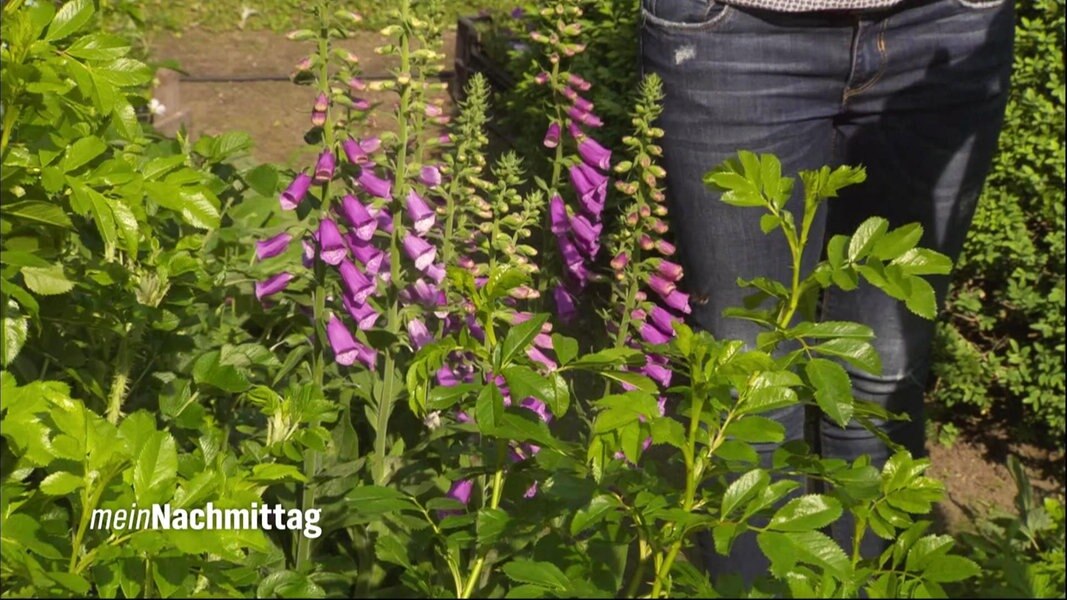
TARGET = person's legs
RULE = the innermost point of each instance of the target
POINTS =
(734, 80)
(926, 129)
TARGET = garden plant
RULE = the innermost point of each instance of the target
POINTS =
(474, 370)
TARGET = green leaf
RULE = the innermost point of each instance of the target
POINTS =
(811, 547)
(99, 46)
(597, 510)
(208, 370)
(666, 430)
(198, 210)
(127, 225)
(491, 524)
(610, 357)
(156, 469)
(61, 483)
(520, 336)
(833, 329)
(540, 573)
(42, 212)
(72, 17)
(82, 151)
(489, 408)
(756, 430)
(16, 330)
(373, 500)
(742, 489)
(866, 236)
(442, 397)
(524, 381)
(48, 281)
(923, 261)
(616, 418)
(897, 242)
(566, 348)
(944, 569)
(921, 299)
(926, 549)
(737, 190)
(858, 353)
(124, 72)
(833, 389)
(806, 513)
(288, 584)
(639, 381)
(275, 472)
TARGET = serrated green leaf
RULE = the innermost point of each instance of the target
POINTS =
(489, 408)
(72, 17)
(61, 483)
(742, 489)
(921, 299)
(42, 212)
(442, 397)
(810, 547)
(156, 469)
(833, 389)
(520, 336)
(866, 236)
(944, 569)
(275, 472)
(540, 573)
(46, 281)
(566, 348)
(897, 241)
(597, 510)
(806, 513)
(923, 261)
(858, 353)
(198, 210)
(81, 152)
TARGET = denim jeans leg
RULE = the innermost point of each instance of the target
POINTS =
(734, 80)
(927, 132)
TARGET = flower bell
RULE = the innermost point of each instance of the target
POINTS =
(418, 333)
(421, 252)
(345, 348)
(272, 246)
(552, 136)
(294, 194)
(557, 215)
(272, 285)
(421, 215)
(374, 185)
(324, 167)
(430, 176)
(362, 313)
(358, 285)
(359, 218)
(594, 154)
(332, 248)
(565, 307)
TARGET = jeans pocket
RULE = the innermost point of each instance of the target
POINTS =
(981, 4)
(684, 15)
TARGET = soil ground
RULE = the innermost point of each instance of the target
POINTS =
(276, 115)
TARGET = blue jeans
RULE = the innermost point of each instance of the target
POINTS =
(915, 93)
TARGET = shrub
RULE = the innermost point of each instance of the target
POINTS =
(1003, 342)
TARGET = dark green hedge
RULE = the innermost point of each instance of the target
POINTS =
(1002, 345)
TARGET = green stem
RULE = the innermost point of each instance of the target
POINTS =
(494, 503)
(386, 398)
(312, 458)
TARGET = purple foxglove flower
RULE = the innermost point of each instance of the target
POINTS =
(447, 377)
(522, 292)
(594, 154)
(322, 102)
(374, 185)
(324, 167)
(272, 246)
(679, 301)
(430, 176)
(436, 272)
(385, 219)
(530, 491)
(665, 248)
(584, 117)
(543, 340)
(371, 145)
(308, 257)
(577, 82)
(272, 285)
(541, 78)
(318, 118)
(417, 332)
(638, 314)
(462, 417)
(369, 255)
(421, 215)
(475, 329)
(646, 242)
(651, 334)
(586, 235)
(591, 186)
(565, 307)
(355, 153)
(538, 407)
(572, 258)
(660, 285)
(619, 262)
(535, 354)
(557, 214)
(461, 491)
(359, 286)
(331, 245)
(663, 320)
(552, 136)
(361, 104)
(465, 262)
(345, 350)
(294, 194)
(367, 356)
(356, 84)
(421, 252)
(363, 314)
(669, 270)
(658, 373)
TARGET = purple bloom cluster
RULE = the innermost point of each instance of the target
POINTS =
(578, 232)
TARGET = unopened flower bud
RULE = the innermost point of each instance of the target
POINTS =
(659, 226)
(632, 219)
(646, 211)
(646, 242)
